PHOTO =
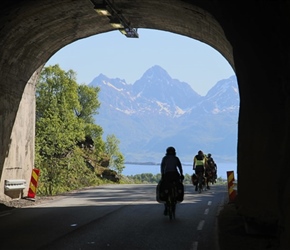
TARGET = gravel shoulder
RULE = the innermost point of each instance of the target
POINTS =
(4, 206)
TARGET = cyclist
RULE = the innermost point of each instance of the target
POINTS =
(199, 165)
(171, 168)
(211, 167)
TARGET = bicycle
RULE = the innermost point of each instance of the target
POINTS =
(200, 183)
(171, 200)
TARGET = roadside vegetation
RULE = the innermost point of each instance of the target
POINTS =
(70, 152)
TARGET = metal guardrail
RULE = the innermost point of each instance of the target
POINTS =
(14, 184)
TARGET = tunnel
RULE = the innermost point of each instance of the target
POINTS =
(252, 37)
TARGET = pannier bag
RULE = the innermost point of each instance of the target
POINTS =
(180, 191)
(161, 195)
(194, 179)
(162, 191)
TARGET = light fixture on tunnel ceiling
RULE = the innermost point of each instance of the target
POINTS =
(116, 23)
(102, 10)
(129, 32)
(117, 20)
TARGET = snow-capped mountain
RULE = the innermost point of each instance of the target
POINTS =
(223, 97)
(158, 111)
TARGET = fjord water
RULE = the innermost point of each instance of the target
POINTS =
(222, 168)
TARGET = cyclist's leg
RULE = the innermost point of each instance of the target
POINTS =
(172, 201)
(165, 209)
(200, 181)
(204, 179)
(166, 180)
(197, 177)
(206, 176)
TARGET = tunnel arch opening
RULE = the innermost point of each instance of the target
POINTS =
(181, 41)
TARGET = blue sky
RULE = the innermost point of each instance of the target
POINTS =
(116, 56)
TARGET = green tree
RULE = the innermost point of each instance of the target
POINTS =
(89, 103)
(112, 150)
(70, 151)
(58, 129)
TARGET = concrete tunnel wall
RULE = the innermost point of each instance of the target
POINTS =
(254, 38)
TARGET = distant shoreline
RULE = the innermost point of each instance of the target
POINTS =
(150, 163)
(141, 163)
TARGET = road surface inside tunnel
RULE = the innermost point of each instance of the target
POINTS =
(115, 217)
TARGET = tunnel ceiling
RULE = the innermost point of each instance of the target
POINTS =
(32, 31)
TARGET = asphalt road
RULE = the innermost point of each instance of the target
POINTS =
(115, 217)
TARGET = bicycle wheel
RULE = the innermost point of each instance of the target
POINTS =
(169, 207)
(173, 210)
(172, 203)
(200, 186)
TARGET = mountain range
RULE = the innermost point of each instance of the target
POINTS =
(157, 111)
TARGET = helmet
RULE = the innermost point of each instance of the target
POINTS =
(200, 152)
(170, 151)
(209, 154)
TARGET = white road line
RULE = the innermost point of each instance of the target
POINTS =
(194, 245)
(206, 211)
(2, 215)
(200, 225)
(221, 206)
(209, 203)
